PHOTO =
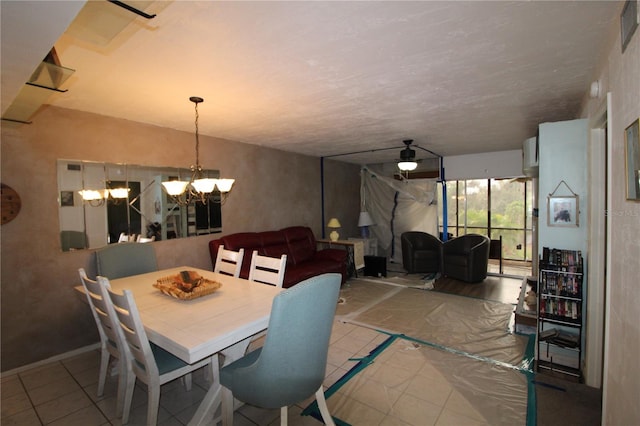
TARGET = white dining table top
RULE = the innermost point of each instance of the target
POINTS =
(198, 328)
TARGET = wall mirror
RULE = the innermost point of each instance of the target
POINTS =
(104, 203)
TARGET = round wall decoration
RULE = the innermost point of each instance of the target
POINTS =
(10, 203)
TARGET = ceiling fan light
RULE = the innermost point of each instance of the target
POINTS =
(175, 187)
(407, 166)
(205, 185)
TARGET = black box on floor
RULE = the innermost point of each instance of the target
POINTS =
(375, 266)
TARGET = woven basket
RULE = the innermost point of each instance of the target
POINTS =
(168, 286)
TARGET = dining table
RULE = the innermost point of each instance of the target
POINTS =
(195, 329)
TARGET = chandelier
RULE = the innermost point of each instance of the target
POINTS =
(199, 188)
(98, 197)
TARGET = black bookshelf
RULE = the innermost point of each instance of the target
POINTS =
(560, 303)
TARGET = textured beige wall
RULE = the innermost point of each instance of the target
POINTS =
(41, 314)
(619, 74)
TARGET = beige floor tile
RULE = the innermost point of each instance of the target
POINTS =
(178, 399)
(374, 394)
(14, 405)
(353, 412)
(436, 391)
(84, 361)
(457, 403)
(108, 407)
(44, 375)
(450, 418)
(49, 392)
(63, 406)
(90, 415)
(11, 386)
(393, 421)
(415, 411)
(24, 418)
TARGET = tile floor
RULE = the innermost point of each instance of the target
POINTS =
(64, 393)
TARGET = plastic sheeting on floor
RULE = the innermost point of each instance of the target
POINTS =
(449, 360)
(478, 327)
(410, 383)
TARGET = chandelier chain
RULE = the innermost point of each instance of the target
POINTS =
(197, 166)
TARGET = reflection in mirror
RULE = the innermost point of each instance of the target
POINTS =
(103, 203)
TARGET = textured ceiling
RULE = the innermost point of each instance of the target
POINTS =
(328, 78)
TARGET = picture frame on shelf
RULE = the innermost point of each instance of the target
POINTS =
(563, 211)
(632, 160)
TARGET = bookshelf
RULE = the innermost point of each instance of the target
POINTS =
(560, 302)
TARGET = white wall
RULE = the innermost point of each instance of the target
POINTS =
(483, 166)
(617, 73)
(563, 157)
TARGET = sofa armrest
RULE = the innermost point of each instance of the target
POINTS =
(335, 255)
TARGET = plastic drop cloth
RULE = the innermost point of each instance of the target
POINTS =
(473, 326)
(420, 385)
(396, 207)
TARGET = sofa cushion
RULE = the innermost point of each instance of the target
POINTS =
(249, 241)
(274, 244)
(302, 243)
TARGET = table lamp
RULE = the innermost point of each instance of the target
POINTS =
(364, 221)
(335, 224)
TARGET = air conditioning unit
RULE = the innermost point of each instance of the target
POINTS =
(530, 157)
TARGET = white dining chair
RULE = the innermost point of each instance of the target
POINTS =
(148, 362)
(229, 262)
(111, 338)
(267, 270)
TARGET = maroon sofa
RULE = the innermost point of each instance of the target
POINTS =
(304, 260)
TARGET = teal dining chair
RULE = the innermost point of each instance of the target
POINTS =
(291, 365)
(125, 259)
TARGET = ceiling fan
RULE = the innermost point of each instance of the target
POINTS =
(408, 160)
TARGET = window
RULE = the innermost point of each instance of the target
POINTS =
(491, 207)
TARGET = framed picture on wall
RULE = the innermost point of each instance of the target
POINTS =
(632, 153)
(66, 198)
(562, 211)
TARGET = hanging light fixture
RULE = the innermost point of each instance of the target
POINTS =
(198, 188)
(407, 157)
(98, 197)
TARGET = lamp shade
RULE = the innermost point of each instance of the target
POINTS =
(119, 192)
(333, 223)
(365, 219)
(205, 185)
(224, 185)
(175, 187)
(407, 165)
(92, 194)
